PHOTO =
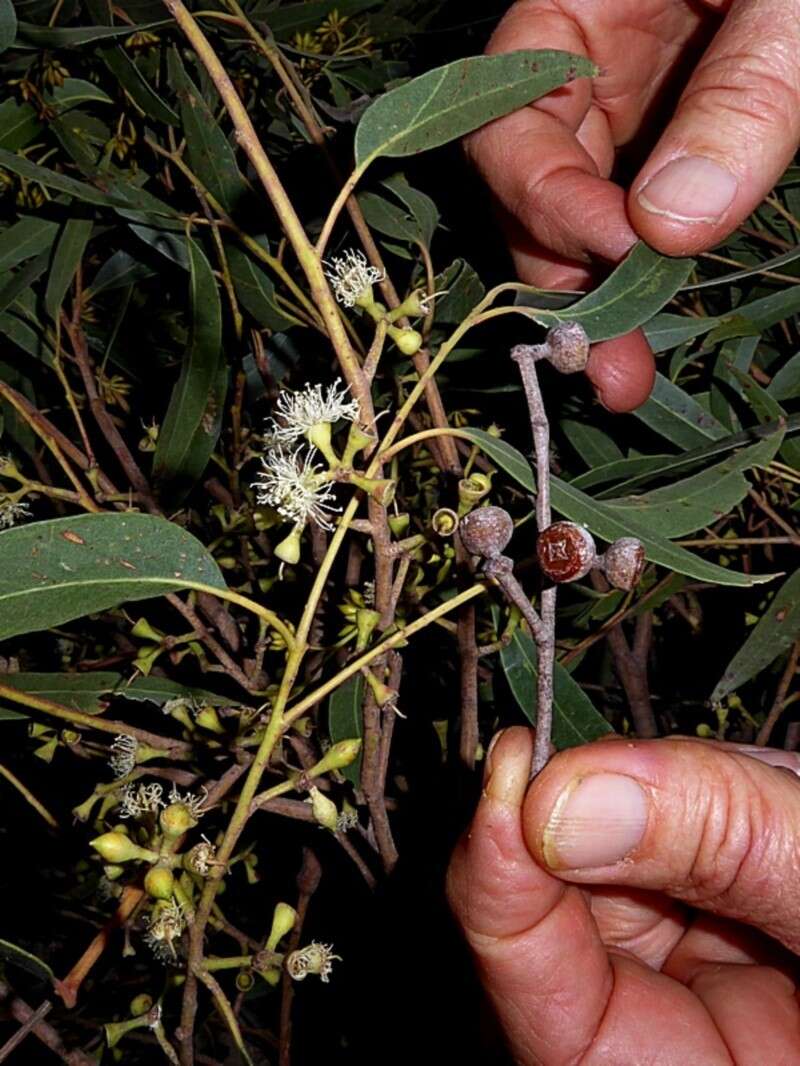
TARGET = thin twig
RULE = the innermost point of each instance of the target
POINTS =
(779, 702)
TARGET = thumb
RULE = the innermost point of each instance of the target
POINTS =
(735, 130)
(715, 828)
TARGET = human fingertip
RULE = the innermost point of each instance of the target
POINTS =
(508, 766)
(622, 372)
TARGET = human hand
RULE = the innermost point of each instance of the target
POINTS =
(730, 131)
(650, 959)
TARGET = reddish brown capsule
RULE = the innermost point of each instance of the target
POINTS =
(623, 563)
(486, 532)
(566, 551)
(569, 347)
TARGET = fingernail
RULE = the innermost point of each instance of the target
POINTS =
(690, 189)
(487, 768)
(508, 777)
(596, 821)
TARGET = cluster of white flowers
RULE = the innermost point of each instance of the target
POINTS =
(314, 958)
(123, 754)
(346, 820)
(289, 482)
(136, 801)
(351, 276)
(166, 925)
(11, 511)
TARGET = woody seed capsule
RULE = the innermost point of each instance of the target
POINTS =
(569, 347)
(623, 563)
(565, 551)
(487, 531)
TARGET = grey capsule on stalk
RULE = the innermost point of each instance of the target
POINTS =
(623, 563)
(486, 532)
(568, 347)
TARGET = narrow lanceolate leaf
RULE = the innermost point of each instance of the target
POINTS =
(66, 260)
(640, 286)
(93, 692)
(694, 502)
(65, 568)
(678, 417)
(603, 521)
(344, 719)
(8, 24)
(450, 101)
(25, 239)
(209, 154)
(288, 19)
(192, 423)
(575, 718)
(18, 956)
(777, 629)
(72, 37)
(254, 290)
(19, 124)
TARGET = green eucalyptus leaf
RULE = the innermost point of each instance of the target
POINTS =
(639, 287)
(65, 568)
(26, 961)
(451, 101)
(575, 718)
(606, 523)
(8, 24)
(75, 91)
(19, 124)
(677, 416)
(775, 632)
(74, 36)
(91, 693)
(288, 19)
(25, 239)
(666, 331)
(66, 260)
(194, 416)
(785, 385)
(255, 290)
(594, 446)
(345, 720)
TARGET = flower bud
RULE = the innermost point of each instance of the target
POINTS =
(113, 871)
(409, 341)
(283, 921)
(323, 809)
(288, 551)
(366, 620)
(566, 552)
(623, 563)
(568, 347)
(358, 440)
(208, 718)
(338, 756)
(116, 848)
(141, 1005)
(176, 819)
(486, 532)
(144, 630)
(159, 882)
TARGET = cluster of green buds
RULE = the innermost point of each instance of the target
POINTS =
(155, 643)
(352, 279)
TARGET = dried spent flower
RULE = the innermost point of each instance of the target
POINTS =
(351, 277)
(298, 412)
(202, 858)
(11, 511)
(166, 925)
(314, 958)
(195, 803)
(123, 754)
(348, 819)
(290, 482)
(135, 801)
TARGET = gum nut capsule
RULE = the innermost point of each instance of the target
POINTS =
(565, 551)
(487, 531)
(623, 563)
(569, 347)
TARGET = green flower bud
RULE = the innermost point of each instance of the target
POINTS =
(176, 819)
(144, 630)
(323, 809)
(159, 882)
(288, 551)
(409, 341)
(141, 1005)
(208, 718)
(366, 620)
(338, 756)
(283, 920)
(358, 440)
(116, 848)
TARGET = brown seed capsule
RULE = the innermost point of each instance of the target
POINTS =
(623, 563)
(569, 347)
(566, 551)
(487, 531)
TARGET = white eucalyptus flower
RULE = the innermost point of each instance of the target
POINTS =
(166, 925)
(11, 512)
(136, 802)
(195, 803)
(123, 754)
(298, 413)
(351, 277)
(290, 482)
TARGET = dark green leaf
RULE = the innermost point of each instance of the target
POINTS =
(209, 154)
(768, 264)
(605, 523)
(20, 957)
(677, 416)
(594, 446)
(575, 719)
(23, 279)
(345, 721)
(60, 182)
(92, 692)
(254, 290)
(19, 124)
(120, 271)
(786, 383)
(777, 629)
(665, 332)
(450, 101)
(25, 239)
(463, 289)
(388, 218)
(422, 208)
(622, 468)
(194, 417)
(66, 260)
(72, 37)
(75, 91)
(8, 24)
(289, 19)
(65, 568)
(640, 286)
